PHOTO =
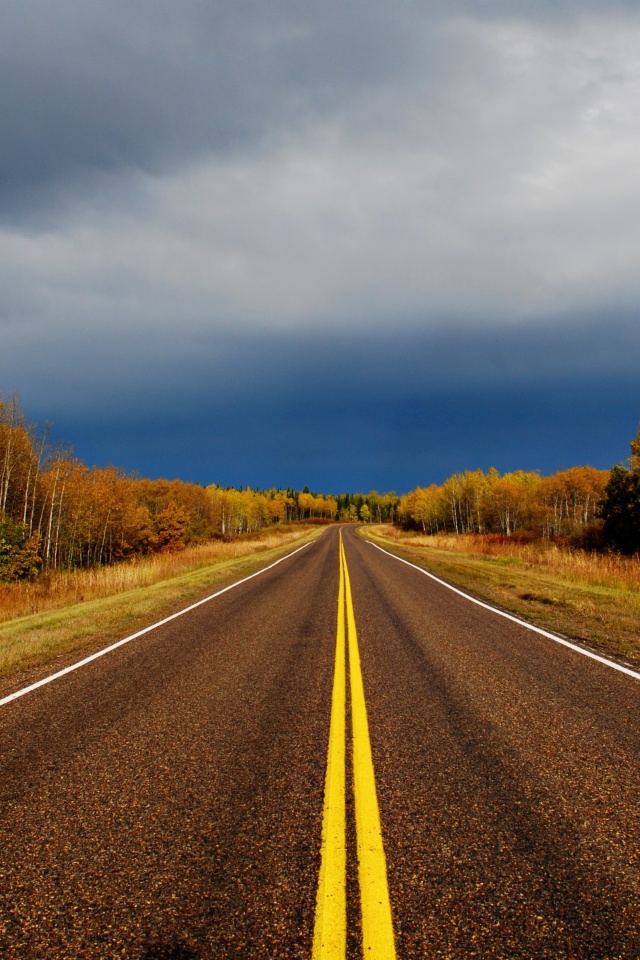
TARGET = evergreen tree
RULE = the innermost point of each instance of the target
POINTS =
(620, 509)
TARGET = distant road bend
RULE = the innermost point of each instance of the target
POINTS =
(337, 758)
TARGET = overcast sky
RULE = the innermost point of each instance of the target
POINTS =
(349, 245)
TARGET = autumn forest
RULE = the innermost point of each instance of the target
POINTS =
(57, 513)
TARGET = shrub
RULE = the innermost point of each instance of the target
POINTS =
(19, 553)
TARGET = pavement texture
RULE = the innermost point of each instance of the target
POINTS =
(165, 802)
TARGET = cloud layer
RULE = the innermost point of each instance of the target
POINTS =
(318, 210)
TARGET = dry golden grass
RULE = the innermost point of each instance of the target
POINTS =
(587, 596)
(58, 589)
(603, 569)
(74, 613)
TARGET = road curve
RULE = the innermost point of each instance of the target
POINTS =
(166, 801)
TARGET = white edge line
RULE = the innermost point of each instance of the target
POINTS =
(509, 616)
(140, 633)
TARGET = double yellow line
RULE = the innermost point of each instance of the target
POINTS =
(330, 932)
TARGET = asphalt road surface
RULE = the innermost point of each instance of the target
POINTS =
(167, 801)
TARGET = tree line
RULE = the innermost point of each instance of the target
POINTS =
(561, 505)
(589, 508)
(55, 512)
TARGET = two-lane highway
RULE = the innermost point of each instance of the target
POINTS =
(168, 800)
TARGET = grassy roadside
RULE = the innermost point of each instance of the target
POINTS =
(60, 635)
(593, 601)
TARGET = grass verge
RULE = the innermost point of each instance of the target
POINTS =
(592, 599)
(125, 602)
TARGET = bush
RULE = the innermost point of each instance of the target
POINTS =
(19, 553)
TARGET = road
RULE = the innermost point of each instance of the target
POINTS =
(167, 801)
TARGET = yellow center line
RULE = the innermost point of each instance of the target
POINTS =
(329, 942)
(330, 932)
(377, 926)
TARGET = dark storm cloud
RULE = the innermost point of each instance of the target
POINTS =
(386, 411)
(151, 373)
(371, 441)
(319, 237)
